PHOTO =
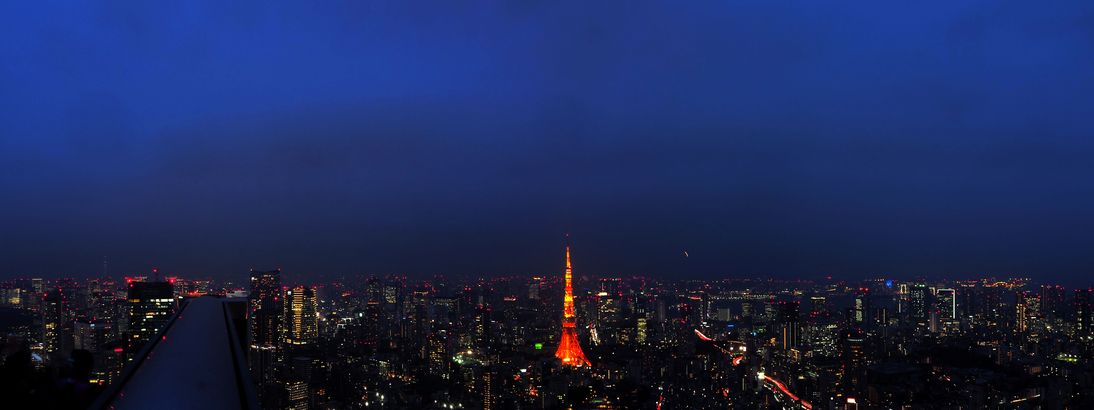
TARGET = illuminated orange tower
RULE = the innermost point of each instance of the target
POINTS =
(569, 350)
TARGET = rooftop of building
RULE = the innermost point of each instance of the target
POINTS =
(196, 362)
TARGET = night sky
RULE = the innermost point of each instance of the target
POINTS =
(790, 139)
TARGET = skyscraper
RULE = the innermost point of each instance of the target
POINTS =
(818, 307)
(1021, 313)
(264, 316)
(1052, 301)
(302, 324)
(297, 392)
(1083, 308)
(488, 380)
(918, 303)
(947, 304)
(151, 304)
(53, 307)
(569, 349)
(789, 324)
(861, 307)
(265, 308)
(852, 359)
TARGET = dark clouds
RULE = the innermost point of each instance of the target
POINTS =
(797, 138)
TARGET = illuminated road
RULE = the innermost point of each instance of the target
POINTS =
(737, 358)
(784, 390)
(770, 382)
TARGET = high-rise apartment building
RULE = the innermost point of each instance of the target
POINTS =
(301, 316)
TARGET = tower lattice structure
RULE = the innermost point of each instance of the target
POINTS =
(569, 349)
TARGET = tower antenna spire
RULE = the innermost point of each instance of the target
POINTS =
(568, 265)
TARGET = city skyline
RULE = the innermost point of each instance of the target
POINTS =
(487, 343)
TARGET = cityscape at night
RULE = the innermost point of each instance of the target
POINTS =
(524, 204)
(561, 339)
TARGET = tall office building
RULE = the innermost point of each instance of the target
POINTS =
(370, 324)
(488, 388)
(917, 302)
(534, 287)
(790, 328)
(1083, 308)
(297, 395)
(36, 292)
(264, 311)
(946, 304)
(852, 359)
(301, 314)
(1021, 313)
(89, 334)
(607, 308)
(860, 309)
(53, 310)
(10, 295)
(1032, 302)
(150, 304)
(264, 308)
(818, 307)
(1052, 301)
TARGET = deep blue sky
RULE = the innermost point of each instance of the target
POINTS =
(783, 138)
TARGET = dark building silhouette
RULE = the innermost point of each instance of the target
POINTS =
(853, 359)
(789, 325)
(55, 335)
(151, 305)
(264, 315)
(1083, 308)
(919, 306)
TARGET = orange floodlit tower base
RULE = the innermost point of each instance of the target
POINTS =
(569, 349)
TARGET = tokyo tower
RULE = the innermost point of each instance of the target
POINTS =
(569, 350)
